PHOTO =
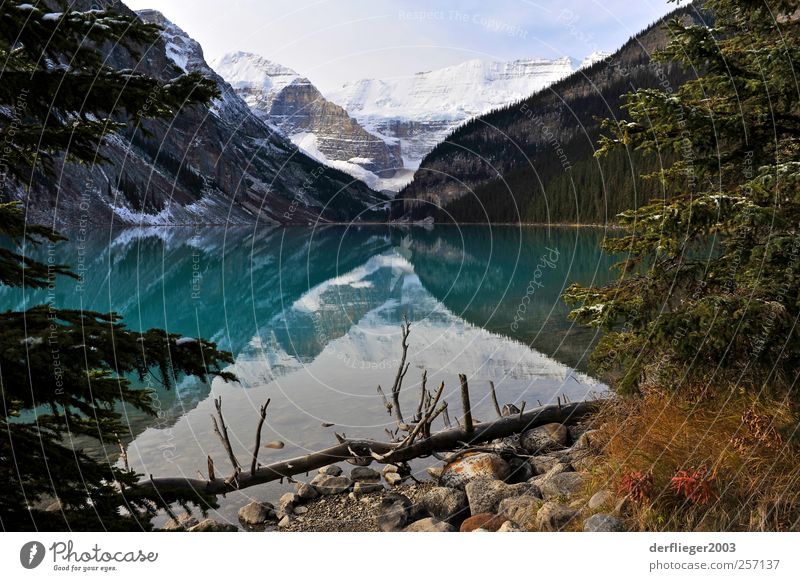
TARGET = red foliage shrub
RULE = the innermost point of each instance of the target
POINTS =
(696, 485)
(637, 485)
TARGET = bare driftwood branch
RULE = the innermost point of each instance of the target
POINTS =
(222, 431)
(425, 421)
(386, 402)
(211, 476)
(468, 425)
(402, 369)
(444, 441)
(262, 417)
(423, 394)
(494, 400)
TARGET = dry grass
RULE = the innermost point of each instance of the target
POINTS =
(712, 462)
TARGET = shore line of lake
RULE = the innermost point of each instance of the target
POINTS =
(534, 481)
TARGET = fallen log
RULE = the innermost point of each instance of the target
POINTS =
(382, 452)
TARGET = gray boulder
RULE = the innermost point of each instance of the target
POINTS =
(332, 470)
(286, 503)
(363, 473)
(362, 488)
(545, 438)
(326, 484)
(212, 526)
(600, 499)
(306, 492)
(256, 513)
(559, 468)
(185, 522)
(554, 516)
(474, 465)
(430, 525)
(485, 495)
(521, 510)
(509, 527)
(446, 504)
(604, 523)
(562, 485)
(394, 512)
(542, 464)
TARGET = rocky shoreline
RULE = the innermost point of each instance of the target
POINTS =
(535, 481)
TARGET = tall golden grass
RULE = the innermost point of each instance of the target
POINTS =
(711, 462)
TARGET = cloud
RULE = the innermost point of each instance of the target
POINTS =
(332, 42)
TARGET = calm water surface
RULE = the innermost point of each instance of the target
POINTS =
(313, 316)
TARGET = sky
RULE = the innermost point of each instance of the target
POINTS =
(335, 41)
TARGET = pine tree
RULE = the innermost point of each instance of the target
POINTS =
(64, 374)
(709, 285)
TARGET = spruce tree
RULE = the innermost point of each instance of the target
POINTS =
(65, 374)
(709, 286)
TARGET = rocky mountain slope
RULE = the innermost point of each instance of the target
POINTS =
(418, 112)
(217, 164)
(324, 130)
(532, 161)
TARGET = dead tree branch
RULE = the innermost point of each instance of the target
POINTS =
(444, 441)
(423, 394)
(222, 431)
(211, 476)
(402, 369)
(468, 425)
(494, 400)
(262, 417)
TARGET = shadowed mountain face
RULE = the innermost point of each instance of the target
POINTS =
(212, 165)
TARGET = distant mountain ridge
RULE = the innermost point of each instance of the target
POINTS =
(420, 110)
(379, 130)
(533, 160)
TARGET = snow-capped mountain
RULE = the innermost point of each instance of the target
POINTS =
(215, 164)
(595, 57)
(378, 130)
(293, 105)
(419, 111)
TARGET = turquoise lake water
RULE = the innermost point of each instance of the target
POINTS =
(312, 316)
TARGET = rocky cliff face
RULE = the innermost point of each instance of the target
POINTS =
(420, 111)
(293, 105)
(217, 164)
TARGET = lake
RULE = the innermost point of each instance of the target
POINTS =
(312, 316)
